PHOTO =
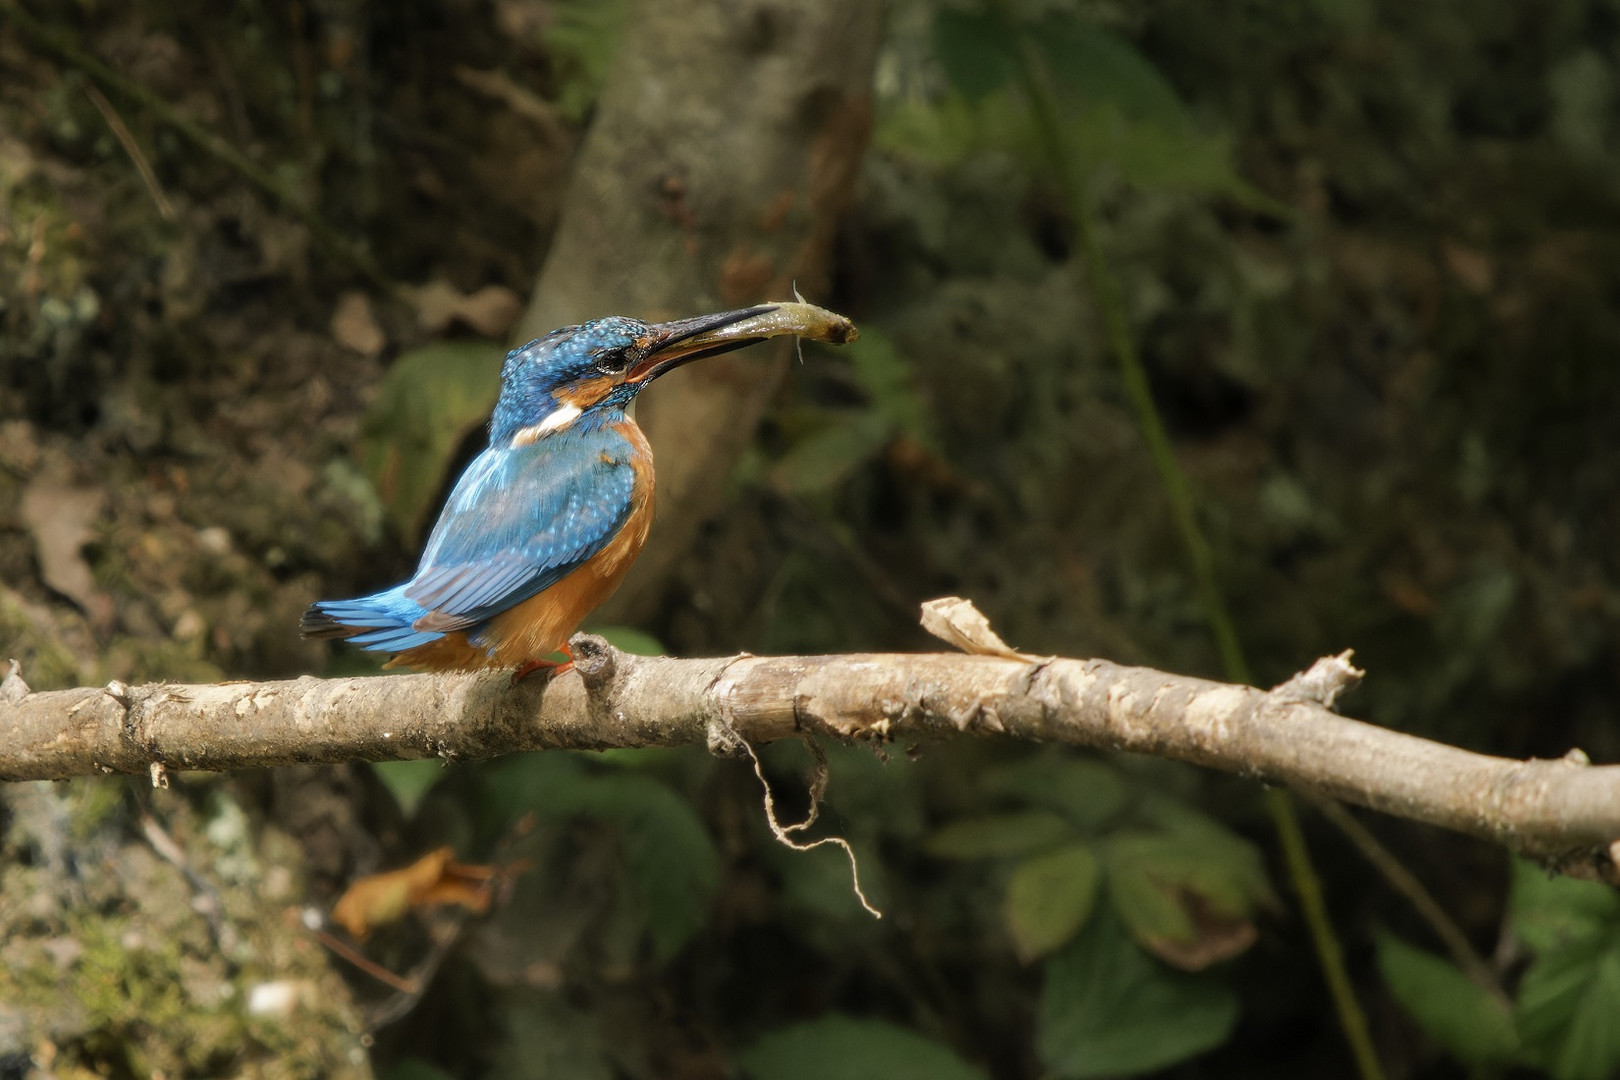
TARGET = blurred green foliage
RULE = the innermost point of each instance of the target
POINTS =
(1049, 898)
(1457, 1013)
(430, 400)
(1109, 1009)
(1570, 995)
(672, 862)
(856, 1049)
(409, 781)
(1561, 1019)
(828, 446)
(414, 1069)
(1126, 121)
(1173, 882)
(582, 38)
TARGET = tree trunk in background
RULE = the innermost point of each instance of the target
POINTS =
(724, 150)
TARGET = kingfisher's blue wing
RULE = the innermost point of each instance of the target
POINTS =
(518, 522)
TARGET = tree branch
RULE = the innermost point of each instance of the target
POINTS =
(1564, 812)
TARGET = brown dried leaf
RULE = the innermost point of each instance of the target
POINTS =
(526, 103)
(524, 21)
(1473, 268)
(1216, 937)
(17, 163)
(491, 311)
(958, 623)
(354, 326)
(435, 878)
(19, 447)
(60, 516)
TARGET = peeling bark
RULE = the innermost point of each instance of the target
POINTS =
(1565, 812)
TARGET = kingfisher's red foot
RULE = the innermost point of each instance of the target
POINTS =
(553, 668)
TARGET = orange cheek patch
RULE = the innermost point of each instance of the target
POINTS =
(571, 402)
(585, 393)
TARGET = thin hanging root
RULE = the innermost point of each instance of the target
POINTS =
(818, 788)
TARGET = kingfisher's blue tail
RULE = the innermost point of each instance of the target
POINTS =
(381, 622)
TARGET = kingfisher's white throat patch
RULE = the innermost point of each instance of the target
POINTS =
(557, 419)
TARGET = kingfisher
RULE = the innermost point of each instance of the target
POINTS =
(544, 523)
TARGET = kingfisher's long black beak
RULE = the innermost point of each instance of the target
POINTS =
(668, 345)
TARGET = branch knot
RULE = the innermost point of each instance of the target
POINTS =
(12, 687)
(1323, 681)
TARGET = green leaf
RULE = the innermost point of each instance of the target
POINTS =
(852, 1049)
(409, 781)
(1110, 1009)
(875, 795)
(945, 132)
(999, 834)
(1084, 790)
(1147, 902)
(1225, 868)
(1462, 1017)
(669, 853)
(629, 639)
(1476, 608)
(543, 1036)
(1581, 88)
(1049, 898)
(891, 384)
(1186, 896)
(1568, 1002)
(581, 41)
(977, 50)
(670, 759)
(415, 1069)
(1091, 65)
(673, 861)
(1160, 159)
(1570, 995)
(428, 402)
(1120, 112)
(981, 53)
(815, 893)
(1231, 882)
(824, 459)
(1549, 911)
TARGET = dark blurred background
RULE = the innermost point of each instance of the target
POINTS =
(259, 262)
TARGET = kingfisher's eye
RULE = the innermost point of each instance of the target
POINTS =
(612, 359)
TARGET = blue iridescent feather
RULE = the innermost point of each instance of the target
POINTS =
(518, 521)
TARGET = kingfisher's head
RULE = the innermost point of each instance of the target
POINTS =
(596, 368)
